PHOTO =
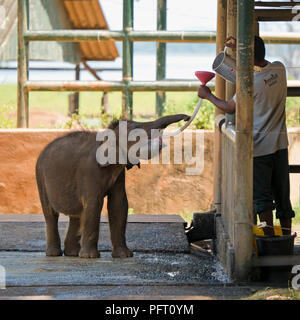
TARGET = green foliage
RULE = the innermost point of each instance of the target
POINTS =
(187, 216)
(131, 211)
(296, 220)
(6, 121)
(293, 112)
(84, 122)
(204, 118)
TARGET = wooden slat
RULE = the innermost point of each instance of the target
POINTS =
(272, 261)
(274, 15)
(276, 4)
(295, 168)
(89, 15)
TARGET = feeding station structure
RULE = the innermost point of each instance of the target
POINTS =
(233, 152)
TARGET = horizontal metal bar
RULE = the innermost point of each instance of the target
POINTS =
(112, 85)
(106, 35)
(281, 38)
(74, 85)
(165, 85)
(173, 36)
(74, 35)
(269, 261)
(60, 69)
(162, 36)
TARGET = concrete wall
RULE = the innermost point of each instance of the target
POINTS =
(153, 189)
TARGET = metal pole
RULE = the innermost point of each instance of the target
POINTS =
(22, 110)
(220, 93)
(243, 180)
(161, 54)
(231, 31)
(127, 58)
(187, 86)
(76, 97)
(162, 36)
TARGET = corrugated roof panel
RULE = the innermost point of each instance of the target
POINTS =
(88, 14)
(57, 14)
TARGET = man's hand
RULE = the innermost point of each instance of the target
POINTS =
(204, 92)
(231, 43)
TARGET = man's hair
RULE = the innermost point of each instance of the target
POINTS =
(259, 49)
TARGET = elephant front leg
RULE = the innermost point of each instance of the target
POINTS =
(72, 240)
(90, 225)
(117, 206)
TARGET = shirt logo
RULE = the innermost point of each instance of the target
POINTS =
(272, 81)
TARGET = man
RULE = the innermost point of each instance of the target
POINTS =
(271, 185)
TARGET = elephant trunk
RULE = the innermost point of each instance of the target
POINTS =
(174, 133)
(163, 122)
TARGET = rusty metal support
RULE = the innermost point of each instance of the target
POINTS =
(231, 32)
(106, 35)
(23, 23)
(188, 86)
(243, 155)
(162, 36)
(76, 94)
(220, 93)
(161, 55)
(127, 59)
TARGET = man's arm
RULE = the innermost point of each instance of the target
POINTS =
(226, 106)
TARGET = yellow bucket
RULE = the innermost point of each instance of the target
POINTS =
(260, 232)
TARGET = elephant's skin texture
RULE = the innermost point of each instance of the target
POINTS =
(71, 181)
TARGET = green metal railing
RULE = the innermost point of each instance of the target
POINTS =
(127, 86)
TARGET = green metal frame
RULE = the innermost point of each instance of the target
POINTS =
(127, 36)
(161, 55)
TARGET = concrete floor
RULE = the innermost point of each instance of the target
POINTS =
(162, 266)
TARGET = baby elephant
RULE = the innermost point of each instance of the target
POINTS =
(72, 180)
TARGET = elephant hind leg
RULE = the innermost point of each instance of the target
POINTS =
(51, 217)
(117, 206)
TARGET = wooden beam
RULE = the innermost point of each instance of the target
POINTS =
(88, 68)
(22, 110)
(221, 94)
(161, 55)
(243, 151)
(274, 15)
(276, 4)
(231, 32)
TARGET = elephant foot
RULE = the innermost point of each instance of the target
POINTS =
(53, 252)
(122, 253)
(89, 253)
(71, 251)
